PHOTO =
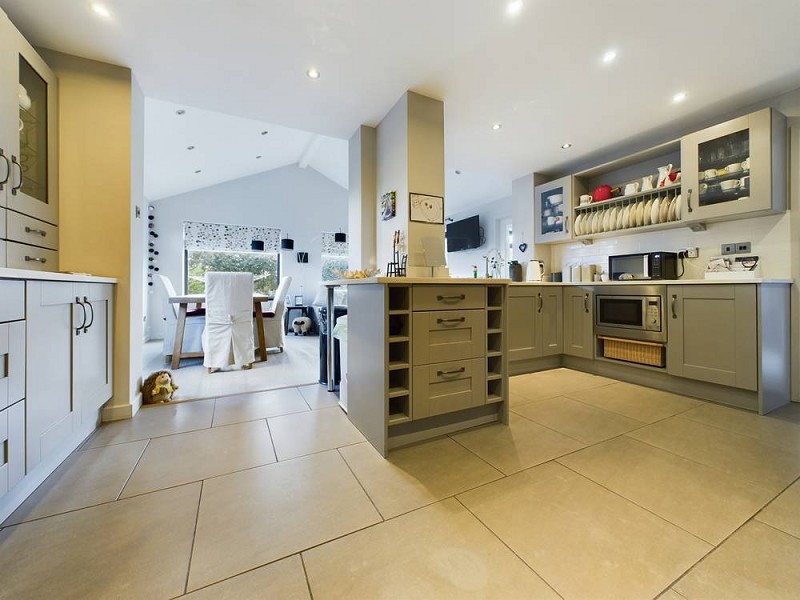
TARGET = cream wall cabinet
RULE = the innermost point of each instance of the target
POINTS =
(552, 208)
(579, 322)
(735, 169)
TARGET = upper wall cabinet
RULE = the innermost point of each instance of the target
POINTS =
(736, 169)
(28, 128)
(552, 207)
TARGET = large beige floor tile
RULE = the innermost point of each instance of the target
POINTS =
(777, 428)
(440, 551)
(305, 433)
(137, 548)
(702, 500)
(282, 580)
(418, 475)
(155, 421)
(636, 401)
(584, 540)
(258, 405)
(519, 445)
(756, 562)
(185, 457)
(670, 594)
(83, 479)
(253, 517)
(784, 512)
(581, 421)
(318, 396)
(769, 466)
(555, 382)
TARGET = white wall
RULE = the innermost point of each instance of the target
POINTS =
(489, 214)
(300, 202)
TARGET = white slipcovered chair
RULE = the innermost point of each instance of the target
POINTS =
(228, 337)
(195, 322)
(273, 316)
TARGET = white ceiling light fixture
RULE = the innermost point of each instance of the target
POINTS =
(679, 97)
(513, 8)
(312, 73)
(190, 147)
(100, 10)
(198, 171)
(497, 127)
(180, 111)
(566, 146)
(609, 56)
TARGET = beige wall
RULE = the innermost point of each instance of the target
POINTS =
(95, 190)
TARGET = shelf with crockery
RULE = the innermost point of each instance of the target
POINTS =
(652, 210)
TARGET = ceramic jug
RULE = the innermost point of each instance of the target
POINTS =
(663, 175)
(647, 183)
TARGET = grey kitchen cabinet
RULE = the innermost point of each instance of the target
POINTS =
(12, 446)
(12, 384)
(579, 322)
(68, 358)
(735, 169)
(713, 334)
(535, 322)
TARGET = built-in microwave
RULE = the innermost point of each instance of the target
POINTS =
(644, 265)
(631, 311)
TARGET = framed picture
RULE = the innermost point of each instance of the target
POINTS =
(388, 205)
(298, 300)
(427, 209)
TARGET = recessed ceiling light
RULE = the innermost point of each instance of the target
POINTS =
(679, 97)
(566, 146)
(265, 132)
(497, 127)
(198, 171)
(259, 156)
(514, 8)
(313, 73)
(180, 111)
(458, 172)
(609, 56)
(101, 10)
(190, 147)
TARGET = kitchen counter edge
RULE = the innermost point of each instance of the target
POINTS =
(419, 280)
(6, 273)
(654, 282)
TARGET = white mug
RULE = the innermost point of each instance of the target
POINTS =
(703, 188)
(746, 163)
(729, 184)
(586, 199)
(631, 188)
(734, 168)
(647, 183)
(709, 173)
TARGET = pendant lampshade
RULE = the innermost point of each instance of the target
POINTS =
(287, 243)
(257, 245)
(340, 237)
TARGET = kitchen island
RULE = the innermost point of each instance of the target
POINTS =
(425, 357)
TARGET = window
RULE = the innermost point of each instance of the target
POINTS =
(265, 267)
(333, 257)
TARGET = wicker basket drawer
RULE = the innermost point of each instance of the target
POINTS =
(634, 351)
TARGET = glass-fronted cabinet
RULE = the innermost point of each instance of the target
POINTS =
(28, 133)
(552, 206)
(736, 168)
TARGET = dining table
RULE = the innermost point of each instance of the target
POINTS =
(183, 301)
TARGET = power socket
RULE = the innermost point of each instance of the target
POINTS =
(728, 249)
(688, 252)
(742, 247)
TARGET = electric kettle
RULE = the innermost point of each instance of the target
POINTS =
(535, 270)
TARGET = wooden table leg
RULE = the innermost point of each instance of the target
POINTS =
(180, 326)
(262, 342)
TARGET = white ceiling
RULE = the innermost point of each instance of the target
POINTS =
(540, 74)
(225, 148)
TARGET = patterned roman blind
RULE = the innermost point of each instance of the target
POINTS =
(234, 238)
(331, 247)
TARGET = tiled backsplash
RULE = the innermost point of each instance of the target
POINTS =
(770, 238)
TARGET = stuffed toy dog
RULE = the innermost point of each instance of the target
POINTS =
(301, 325)
(158, 387)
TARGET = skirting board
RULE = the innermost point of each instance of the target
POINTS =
(122, 411)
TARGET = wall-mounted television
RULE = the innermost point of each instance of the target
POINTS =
(463, 235)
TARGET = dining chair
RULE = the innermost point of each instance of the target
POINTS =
(228, 336)
(273, 316)
(193, 330)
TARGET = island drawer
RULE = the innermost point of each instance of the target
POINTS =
(12, 300)
(448, 387)
(448, 297)
(447, 335)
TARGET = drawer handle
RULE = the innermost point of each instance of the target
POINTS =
(453, 372)
(454, 320)
(38, 259)
(40, 232)
(16, 188)
(451, 298)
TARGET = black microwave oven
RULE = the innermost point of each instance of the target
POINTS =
(644, 265)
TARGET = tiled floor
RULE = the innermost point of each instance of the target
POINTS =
(597, 490)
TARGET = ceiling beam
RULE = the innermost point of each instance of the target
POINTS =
(307, 155)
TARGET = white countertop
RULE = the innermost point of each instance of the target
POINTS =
(657, 282)
(418, 280)
(50, 276)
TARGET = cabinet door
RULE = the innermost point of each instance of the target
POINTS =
(713, 334)
(552, 206)
(34, 148)
(8, 105)
(524, 337)
(12, 446)
(578, 322)
(550, 314)
(91, 364)
(728, 169)
(51, 313)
